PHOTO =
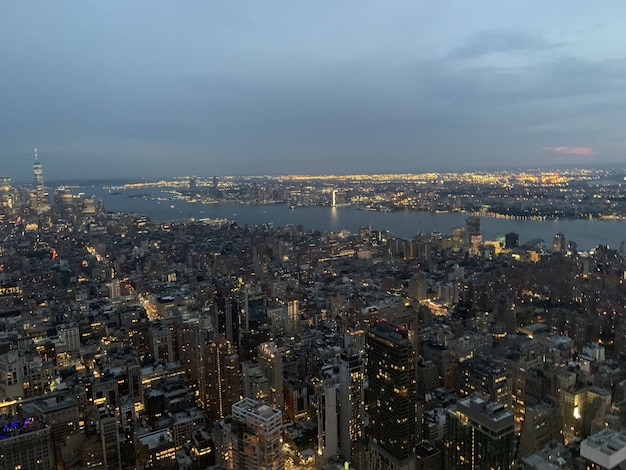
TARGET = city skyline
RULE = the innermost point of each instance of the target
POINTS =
(155, 89)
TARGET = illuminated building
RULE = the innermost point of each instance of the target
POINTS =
(296, 399)
(485, 375)
(40, 203)
(254, 437)
(474, 235)
(351, 402)
(271, 364)
(26, 444)
(156, 450)
(392, 396)
(221, 379)
(293, 318)
(479, 434)
(580, 407)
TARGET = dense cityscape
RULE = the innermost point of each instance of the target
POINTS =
(577, 194)
(127, 343)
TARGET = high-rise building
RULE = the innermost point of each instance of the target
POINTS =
(559, 243)
(327, 411)
(254, 437)
(293, 318)
(392, 396)
(40, 204)
(511, 240)
(255, 383)
(220, 379)
(108, 425)
(479, 434)
(271, 363)
(351, 402)
(215, 189)
(474, 235)
(486, 375)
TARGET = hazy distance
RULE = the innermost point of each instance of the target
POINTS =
(159, 88)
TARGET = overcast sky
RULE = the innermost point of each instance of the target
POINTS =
(170, 88)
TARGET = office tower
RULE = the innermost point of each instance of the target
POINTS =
(26, 443)
(226, 317)
(108, 424)
(161, 342)
(271, 364)
(511, 240)
(392, 395)
(351, 402)
(559, 243)
(326, 406)
(486, 375)
(254, 437)
(220, 379)
(474, 235)
(418, 287)
(39, 203)
(277, 316)
(255, 383)
(293, 318)
(479, 434)
(193, 339)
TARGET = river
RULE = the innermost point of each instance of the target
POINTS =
(586, 233)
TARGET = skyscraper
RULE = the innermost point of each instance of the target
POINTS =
(221, 379)
(39, 196)
(351, 402)
(559, 243)
(392, 396)
(479, 434)
(254, 437)
(474, 235)
(271, 363)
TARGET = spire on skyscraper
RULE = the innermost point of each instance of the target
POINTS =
(40, 203)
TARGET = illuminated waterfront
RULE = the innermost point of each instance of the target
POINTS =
(587, 233)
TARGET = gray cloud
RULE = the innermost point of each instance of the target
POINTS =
(484, 43)
(346, 90)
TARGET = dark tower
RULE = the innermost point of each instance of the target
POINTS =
(392, 394)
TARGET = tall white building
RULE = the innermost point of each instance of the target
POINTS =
(327, 415)
(254, 437)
